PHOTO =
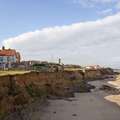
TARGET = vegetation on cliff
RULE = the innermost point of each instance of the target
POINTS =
(16, 91)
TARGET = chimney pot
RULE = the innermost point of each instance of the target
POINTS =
(3, 47)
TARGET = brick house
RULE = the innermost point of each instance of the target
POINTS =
(7, 57)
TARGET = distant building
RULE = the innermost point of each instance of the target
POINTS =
(47, 67)
(7, 57)
(94, 67)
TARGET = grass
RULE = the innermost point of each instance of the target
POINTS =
(2, 115)
(12, 72)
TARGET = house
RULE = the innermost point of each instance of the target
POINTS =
(93, 67)
(7, 57)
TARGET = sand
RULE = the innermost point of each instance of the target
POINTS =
(95, 105)
(113, 98)
(85, 106)
(116, 84)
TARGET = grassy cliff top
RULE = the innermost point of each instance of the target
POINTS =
(12, 72)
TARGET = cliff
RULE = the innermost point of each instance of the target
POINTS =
(18, 90)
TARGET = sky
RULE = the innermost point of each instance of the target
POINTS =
(84, 32)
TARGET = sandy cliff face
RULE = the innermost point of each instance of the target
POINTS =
(18, 90)
(93, 74)
(98, 74)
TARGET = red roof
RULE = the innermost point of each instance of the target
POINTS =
(8, 52)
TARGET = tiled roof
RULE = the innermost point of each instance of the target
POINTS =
(7, 52)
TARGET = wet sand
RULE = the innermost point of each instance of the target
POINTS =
(116, 84)
(84, 106)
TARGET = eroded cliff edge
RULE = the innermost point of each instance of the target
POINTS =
(16, 91)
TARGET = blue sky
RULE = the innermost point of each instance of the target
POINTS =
(78, 31)
(19, 16)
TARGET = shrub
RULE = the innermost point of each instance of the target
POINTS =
(34, 91)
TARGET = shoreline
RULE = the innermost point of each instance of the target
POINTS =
(94, 101)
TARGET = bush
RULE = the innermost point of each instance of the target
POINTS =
(2, 115)
(35, 91)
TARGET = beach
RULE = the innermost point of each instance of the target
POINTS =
(84, 106)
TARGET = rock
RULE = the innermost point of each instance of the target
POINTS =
(74, 114)
(54, 112)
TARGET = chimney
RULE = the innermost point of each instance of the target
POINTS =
(3, 47)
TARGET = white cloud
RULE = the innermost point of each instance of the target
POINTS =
(92, 42)
(93, 3)
(106, 12)
(118, 5)
(103, 1)
(103, 7)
